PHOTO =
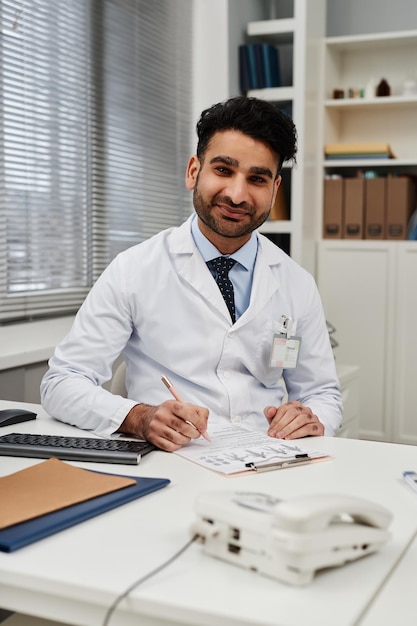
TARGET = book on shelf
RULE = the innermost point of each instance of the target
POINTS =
(333, 208)
(255, 66)
(354, 208)
(358, 150)
(271, 67)
(279, 210)
(244, 71)
(401, 202)
(258, 66)
(375, 208)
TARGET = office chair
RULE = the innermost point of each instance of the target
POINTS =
(118, 382)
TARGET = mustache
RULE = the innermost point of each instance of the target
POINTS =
(229, 202)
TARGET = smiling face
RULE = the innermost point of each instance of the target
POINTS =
(234, 186)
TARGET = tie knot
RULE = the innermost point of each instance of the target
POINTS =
(221, 265)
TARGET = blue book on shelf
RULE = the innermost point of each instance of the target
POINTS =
(272, 72)
(254, 66)
(244, 72)
(19, 535)
(259, 65)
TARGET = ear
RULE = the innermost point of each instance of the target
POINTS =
(277, 183)
(191, 174)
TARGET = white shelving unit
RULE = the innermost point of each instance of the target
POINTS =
(302, 34)
(353, 62)
(368, 287)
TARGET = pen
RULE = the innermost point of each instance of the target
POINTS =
(177, 396)
(411, 480)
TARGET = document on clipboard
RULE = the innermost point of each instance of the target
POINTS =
(235, 449)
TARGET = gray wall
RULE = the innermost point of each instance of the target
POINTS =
(357, 17)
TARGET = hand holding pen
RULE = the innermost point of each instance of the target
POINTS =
(177, 396)
(169, 425)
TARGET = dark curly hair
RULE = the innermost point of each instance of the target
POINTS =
(251, 116)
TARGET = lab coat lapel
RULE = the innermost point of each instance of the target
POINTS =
(264, 285)
(192, 268)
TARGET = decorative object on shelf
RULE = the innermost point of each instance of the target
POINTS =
(338, 94)
(355, 92)
(410, 88)
(370, 88)
(383, 88)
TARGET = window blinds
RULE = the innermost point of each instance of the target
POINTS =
(95, 133)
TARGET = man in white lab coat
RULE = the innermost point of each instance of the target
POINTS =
(158, 303)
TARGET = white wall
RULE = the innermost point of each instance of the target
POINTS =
(211, 54)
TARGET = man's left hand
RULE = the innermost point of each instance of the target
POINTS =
(292, 420)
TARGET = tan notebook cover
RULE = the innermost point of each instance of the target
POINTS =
(49, 486)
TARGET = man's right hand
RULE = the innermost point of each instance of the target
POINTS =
(168, 426)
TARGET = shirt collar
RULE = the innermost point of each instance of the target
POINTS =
(246, 255)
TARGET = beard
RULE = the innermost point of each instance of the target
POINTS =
(223, 225)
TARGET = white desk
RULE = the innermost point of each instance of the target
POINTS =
(397, 603)
(75, 575)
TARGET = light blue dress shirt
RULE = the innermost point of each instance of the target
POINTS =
(241, 273)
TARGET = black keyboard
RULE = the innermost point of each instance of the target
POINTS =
(74, 448)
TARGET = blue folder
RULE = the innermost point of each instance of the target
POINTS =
(19, 535)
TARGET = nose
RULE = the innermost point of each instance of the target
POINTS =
(237, 190)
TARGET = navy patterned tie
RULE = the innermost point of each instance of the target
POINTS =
(220, 268)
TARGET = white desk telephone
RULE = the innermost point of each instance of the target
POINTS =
(289, 539)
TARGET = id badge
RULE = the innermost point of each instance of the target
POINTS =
(285, 351)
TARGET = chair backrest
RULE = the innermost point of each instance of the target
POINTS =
(118, 382)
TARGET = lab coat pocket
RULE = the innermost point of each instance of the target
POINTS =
(266, 374)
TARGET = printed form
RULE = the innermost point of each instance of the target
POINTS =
(236, 449)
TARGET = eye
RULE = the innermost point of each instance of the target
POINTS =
(222, 170)
(259, 180)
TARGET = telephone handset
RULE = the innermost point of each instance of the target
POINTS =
(315, 512)
(289, 539)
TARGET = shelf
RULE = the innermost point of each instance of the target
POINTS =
(277, 226)
(273, 94)
(362, 43)
(276, 31)
(398, 102)
(367, 163)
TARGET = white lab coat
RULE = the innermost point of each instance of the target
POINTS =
(158, 304)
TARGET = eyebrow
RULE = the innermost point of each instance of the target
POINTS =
(259, 171)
